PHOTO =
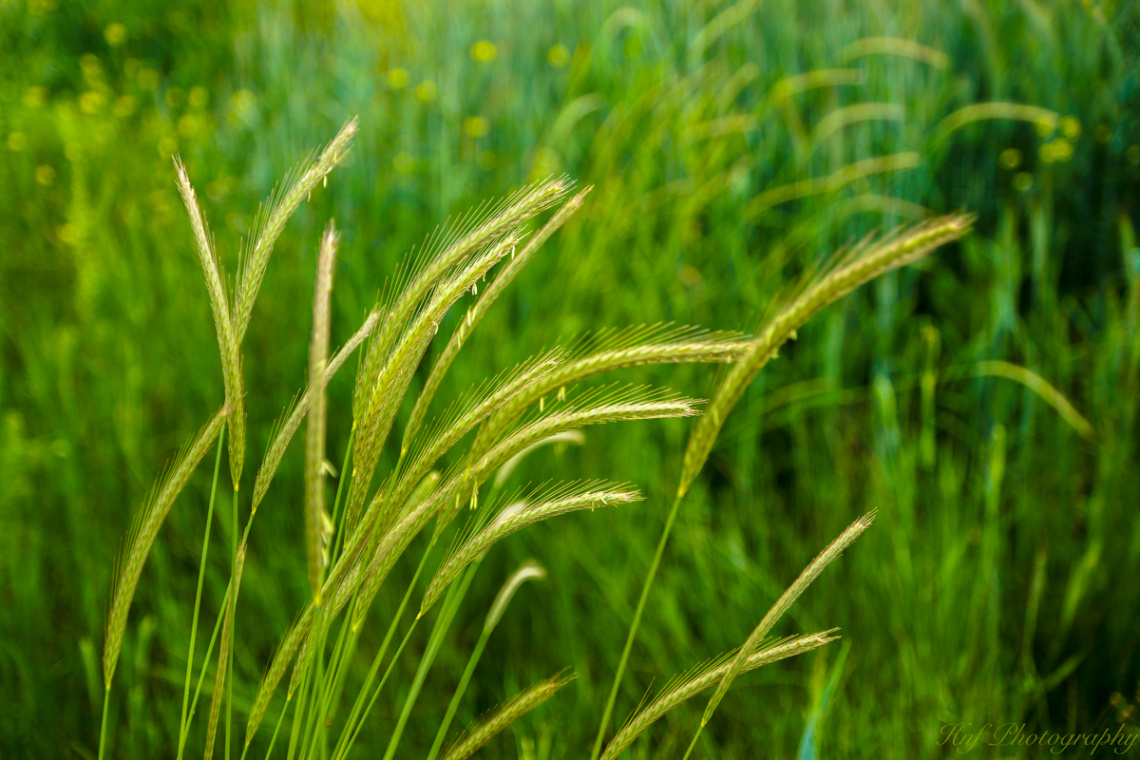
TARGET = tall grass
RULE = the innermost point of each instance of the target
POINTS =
(377, 527)
(890, 399)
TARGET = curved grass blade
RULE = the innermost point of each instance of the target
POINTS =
(229, 346)
(480, 308)
(391, 383)
(292, 419)
(609, 404)
(613, 350)
(703, 678)
(315, 515)
(783, 604)
(529, 570)
(423, 273)
(863, 264)
(296, 187)
(224, 653)
(483, 731)
(541, 505)
(466, 415)
(141, 537)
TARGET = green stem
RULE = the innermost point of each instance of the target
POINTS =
(344, 476)
(298, 716)
(233, 619)
(315, 728)
(184, 727)
(103, 724)
(348, 739)
(335, 668)
(345, 648)
(358, 705)
(328, 690)
(693, 743)
(202, 672)
(472, 661)
(439, 630)
(273, 740)
(633, 628)
(313, 712)
(307, 706)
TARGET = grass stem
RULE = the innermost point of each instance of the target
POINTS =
(453, 706)
(103, 723)
(439, 631)
(608, 712)
(276, 729)
(233, 618)
(205, 665)
(342, 747)
(184, 726)
(347, 738)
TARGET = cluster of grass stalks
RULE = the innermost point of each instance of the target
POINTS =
(351, 549)
(987, 405)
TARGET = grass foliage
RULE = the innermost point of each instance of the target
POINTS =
(983, 399)
(360, 548)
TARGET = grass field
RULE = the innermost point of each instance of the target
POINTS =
(984, 400)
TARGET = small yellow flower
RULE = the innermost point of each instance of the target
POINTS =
(426, 90)
(397, 78)
(403, 162)
(476, 127)
(199, 96)
(92, 102)
(1045, 127)
(116, 34)
(167, 147)
(189, 126)
(243, 102)
(1010, 158)
(17, 141)
(484, 51)
(35, 97)
(131, 66)
(558, 56)
(148, 79)
(1071, 127)
(1022, 181)
(91, 67)
(124, 106)
(73, 151)
(174, 96)
(45, 175)
(1058, 150)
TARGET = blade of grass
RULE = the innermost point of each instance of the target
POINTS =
(183, 726)
(528, 571)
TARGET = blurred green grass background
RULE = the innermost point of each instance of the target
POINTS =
(731, 146)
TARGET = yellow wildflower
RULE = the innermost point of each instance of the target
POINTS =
(484, 51)
(558, 56)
